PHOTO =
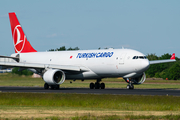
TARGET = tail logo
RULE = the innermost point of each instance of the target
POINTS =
(19, 38)
(173, 56)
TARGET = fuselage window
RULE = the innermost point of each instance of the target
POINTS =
(141, 57)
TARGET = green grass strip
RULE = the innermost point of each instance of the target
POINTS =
(106, 117)
(119, 102)
(127, 117)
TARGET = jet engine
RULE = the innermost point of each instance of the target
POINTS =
(54, 77)
(137, 80)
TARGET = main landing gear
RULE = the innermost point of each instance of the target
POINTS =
(97, 85)
(46, 86)
(130, 85)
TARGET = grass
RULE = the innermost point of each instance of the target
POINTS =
(118, 102)
(105, 117)
(8, 79)
(127, 117)
(87, 106)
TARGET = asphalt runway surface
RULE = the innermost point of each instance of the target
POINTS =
(93, 91)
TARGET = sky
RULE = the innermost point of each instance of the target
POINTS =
(148, 26)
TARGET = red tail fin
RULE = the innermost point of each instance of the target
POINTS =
(21, 44)
(173, 56)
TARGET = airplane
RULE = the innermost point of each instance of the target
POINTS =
(57, 66)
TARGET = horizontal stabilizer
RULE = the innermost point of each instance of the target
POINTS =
(14, 58)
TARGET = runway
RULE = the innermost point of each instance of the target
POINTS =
(93, 91)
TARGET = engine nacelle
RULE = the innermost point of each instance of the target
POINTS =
(137, 80)
(54, 77)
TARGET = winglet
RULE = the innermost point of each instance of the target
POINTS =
(173, 56)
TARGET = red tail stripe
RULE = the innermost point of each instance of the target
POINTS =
(21, 44)
(173, 56)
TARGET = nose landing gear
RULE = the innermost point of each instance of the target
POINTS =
(130, 85)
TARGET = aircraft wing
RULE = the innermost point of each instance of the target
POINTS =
(161, 61)
(172, 59)
(44, 66)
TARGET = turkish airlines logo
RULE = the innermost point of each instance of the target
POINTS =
(19, 39)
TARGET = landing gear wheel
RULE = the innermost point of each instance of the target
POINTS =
(97, 85)
(91, 85)
(102, 85)
(52, 87)
(130, 87)
(46, 86)
(56, 87)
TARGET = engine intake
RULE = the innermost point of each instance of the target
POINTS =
(54, 77)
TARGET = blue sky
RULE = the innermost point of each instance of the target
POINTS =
(149, 26)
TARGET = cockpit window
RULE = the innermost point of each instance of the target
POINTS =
(139, 57)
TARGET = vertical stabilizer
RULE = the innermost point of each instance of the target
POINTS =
(21, 44)
(173, 56)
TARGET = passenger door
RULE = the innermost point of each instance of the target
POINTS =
(121, 58)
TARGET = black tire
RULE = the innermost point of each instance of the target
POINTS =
(91, 85)
(102, 86)
(57, 87)
(128, 87)
(97, 85)
(132, 87)
(52, 87)
(46, 86)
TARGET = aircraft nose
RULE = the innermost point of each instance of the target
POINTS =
(145, 65)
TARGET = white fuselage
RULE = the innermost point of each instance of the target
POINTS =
(100, 63)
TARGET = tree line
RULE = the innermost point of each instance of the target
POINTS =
(63, 48)
(169, 71)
